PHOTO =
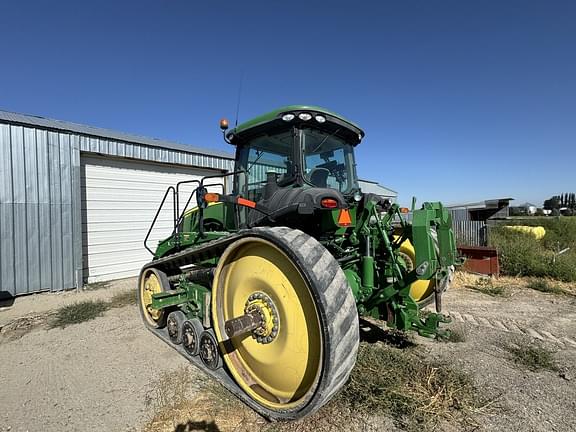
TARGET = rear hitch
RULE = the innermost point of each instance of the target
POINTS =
(429, 326)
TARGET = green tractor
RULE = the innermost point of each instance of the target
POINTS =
(263, 288)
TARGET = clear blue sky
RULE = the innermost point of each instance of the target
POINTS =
(460, 100)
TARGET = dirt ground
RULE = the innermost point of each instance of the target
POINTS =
(97, 375)
(88, 376)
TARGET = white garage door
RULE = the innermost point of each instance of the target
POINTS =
(119, 200)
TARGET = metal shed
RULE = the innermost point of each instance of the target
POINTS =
(75, 200)
(368, 186)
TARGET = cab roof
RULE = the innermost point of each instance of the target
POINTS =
(257, 124)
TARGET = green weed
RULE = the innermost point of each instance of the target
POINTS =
(416, 393)
(89, 309)
(544, 285)
(78, 312)
(486, 286)
(523, 255)
(533, 357)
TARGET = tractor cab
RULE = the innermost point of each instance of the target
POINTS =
(292, 159)
(295, 147)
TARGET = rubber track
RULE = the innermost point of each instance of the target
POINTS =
(334, 301)
(170, 264)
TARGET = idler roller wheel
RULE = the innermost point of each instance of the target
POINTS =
(191, 332)
(174, 326)
(209, 352)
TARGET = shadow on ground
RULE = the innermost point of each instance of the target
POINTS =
(6, 299)
(372, 333)
(197, 426)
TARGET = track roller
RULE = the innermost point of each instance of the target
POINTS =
(209, 352)
(191, 332)
(174, 326)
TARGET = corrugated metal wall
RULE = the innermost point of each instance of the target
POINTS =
(470, 233)
(40, 227)
(459, 214)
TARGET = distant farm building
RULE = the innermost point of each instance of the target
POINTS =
(469, 219)
(368, 186)
(497, 208)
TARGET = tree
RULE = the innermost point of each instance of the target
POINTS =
(552, 203)
(565, 199)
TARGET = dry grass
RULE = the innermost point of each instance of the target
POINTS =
(18, 327)
(64, 316)
(124, 298)
(532, 357)
(455, 335)
(389, 386)
(169, 389)
(416, 393)
(511, 283)
(487, 286)
(179, 407)
(96, 286)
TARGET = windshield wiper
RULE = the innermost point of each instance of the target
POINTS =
(259, 154)
(325, 139)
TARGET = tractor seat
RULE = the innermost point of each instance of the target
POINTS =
(319, 177)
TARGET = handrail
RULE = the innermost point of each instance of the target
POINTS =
(178, 215)
(170, 188)
(182, 213)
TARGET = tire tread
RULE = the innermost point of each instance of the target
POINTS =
(337, 307)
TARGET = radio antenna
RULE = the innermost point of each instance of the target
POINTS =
(239, 97)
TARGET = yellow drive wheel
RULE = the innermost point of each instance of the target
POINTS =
(422, 291)
(290, 364)
(152, 281)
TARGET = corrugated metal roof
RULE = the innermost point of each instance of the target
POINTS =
(489, 203)
(60, 125)
(368, 186)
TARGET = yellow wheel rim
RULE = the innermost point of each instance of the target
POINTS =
(420, 289)
(282, 374)
(150, 284)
